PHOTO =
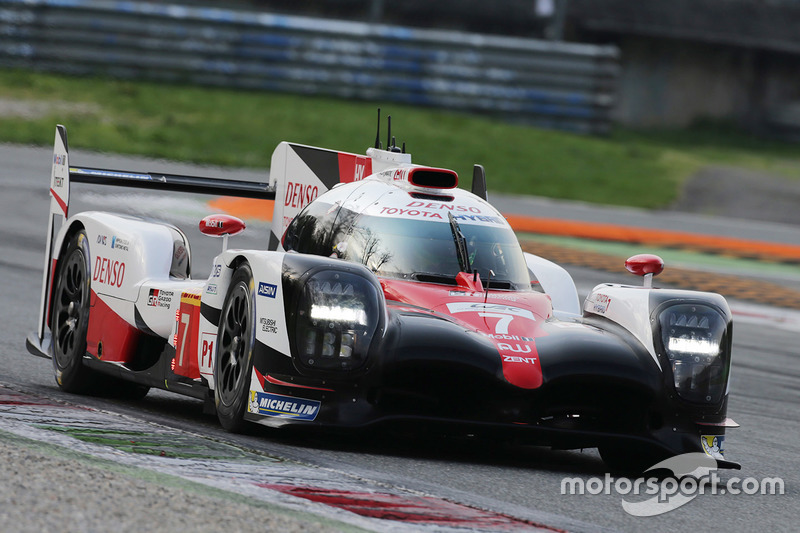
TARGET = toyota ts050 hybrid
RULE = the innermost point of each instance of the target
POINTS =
(386, 295)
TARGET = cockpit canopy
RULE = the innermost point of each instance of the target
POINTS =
(403, 247)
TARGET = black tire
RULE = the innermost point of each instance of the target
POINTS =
(70, 317)
(233, 362)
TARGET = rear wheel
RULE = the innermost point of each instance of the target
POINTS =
(70, 316)
(233, 363)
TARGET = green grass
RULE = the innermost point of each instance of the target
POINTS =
(241, 128)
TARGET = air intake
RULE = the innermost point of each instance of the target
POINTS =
(433, 178)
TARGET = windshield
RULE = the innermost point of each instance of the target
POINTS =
(427, 250)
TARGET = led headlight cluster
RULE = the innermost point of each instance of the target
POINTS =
(693, 338)
(336, 319)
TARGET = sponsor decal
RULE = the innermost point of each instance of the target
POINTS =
(516, 348)
(58, 181)
(445, 206)
(192, 298)
(211, 289)
(160, 298)
(268, 325)
(480, 307)
(120, 244)
(422, 213)
(214, 223)
(60, 159)
(515, 359)
(481, 295)
(712, 445)
(216, 271)
(268, 404)
(267, 289)
(599, 303)
(360, 168)
(110, 174)
(180, 254)
(298, 195)
(101, 239)
(108, 272)
(207, 342)
(496, 336)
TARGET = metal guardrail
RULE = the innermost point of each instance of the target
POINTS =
(549, 84)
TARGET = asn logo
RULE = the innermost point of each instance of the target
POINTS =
(101, 239)
(267, 289)
(59, 159)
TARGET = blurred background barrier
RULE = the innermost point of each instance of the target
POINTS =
(544, 83)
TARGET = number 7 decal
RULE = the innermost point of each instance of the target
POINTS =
(502, 324)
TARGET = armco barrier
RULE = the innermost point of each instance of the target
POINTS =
(549, 84)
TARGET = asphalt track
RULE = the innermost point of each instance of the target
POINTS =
(522, 483)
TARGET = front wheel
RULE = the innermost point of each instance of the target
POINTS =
(233, 363)
(70, 316)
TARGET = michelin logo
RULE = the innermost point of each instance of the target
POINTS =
(267, 289)
(267, 404)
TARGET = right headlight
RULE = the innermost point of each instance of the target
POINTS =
(337, 315)
(694, 339)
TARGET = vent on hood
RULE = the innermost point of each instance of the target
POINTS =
(433, 178)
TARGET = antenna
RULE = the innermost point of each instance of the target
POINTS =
(378, 133)
(389, 133)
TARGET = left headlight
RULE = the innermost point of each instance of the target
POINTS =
(337, 315)
(694, 339)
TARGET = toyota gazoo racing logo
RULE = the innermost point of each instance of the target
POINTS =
(160, 298)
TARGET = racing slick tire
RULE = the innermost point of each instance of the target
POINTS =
(233, 363)
(70, 316)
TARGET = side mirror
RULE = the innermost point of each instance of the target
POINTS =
(647, 265)
(222, 226)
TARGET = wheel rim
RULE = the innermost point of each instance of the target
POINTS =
(70, 302)
(234, 345)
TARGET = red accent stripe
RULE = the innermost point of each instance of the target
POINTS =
(411, 509)
(60, 201)
(276, 381)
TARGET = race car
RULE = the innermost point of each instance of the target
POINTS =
(387, 296)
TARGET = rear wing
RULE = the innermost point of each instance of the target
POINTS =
(63, 174)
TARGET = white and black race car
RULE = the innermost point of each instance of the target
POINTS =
(388, 296)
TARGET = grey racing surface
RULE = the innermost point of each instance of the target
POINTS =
(519, 481)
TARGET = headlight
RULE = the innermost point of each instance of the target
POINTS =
(693, 337)
(337, 316)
